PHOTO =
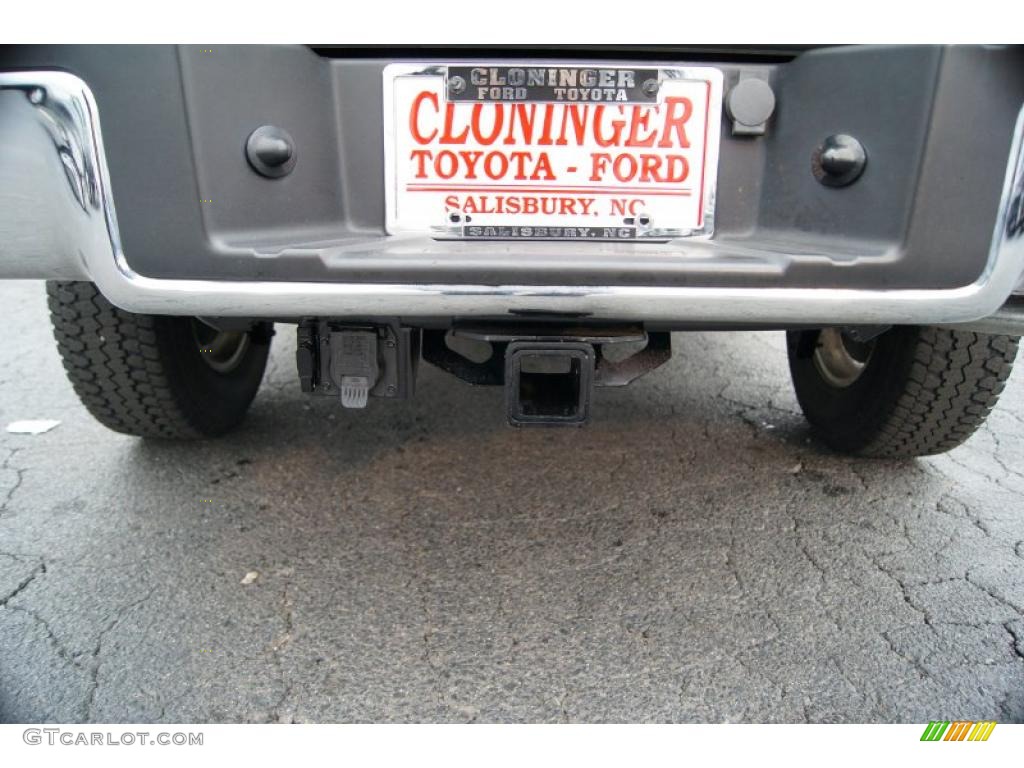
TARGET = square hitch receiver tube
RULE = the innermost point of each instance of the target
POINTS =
(548, 383)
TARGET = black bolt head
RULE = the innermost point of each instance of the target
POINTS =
(271, 151)
(840, 160)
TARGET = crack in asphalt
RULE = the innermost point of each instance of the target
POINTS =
(733, 567)
(944, 501)
(23, 584)
(976, 519)
(908, 599)
(817, 566)
(996, 455)
(19, 474)
(63, 653)
(993, 594)
(731, 564)
(428, 654)
(846, 679)
(277, 648)
(1018, 639)
(51, 637)
(95, 655)
(951, 456)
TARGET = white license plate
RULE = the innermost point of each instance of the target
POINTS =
(551, 152)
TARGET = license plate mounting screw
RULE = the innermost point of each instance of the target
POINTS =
(650, 87)
(456, 84)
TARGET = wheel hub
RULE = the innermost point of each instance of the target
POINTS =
(221, 350)
(839, 359)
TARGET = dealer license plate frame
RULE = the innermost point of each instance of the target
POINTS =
(704, 130)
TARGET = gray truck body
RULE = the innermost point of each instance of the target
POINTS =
(126, 166)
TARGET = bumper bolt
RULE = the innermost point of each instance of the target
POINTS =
(840, 160)
(270, 151)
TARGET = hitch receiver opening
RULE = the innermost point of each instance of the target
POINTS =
(548, 383)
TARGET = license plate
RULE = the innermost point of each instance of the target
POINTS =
(551, 152)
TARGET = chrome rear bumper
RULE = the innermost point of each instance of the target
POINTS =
(58, 220)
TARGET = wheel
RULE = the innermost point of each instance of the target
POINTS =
(912, 391)
(152, 375)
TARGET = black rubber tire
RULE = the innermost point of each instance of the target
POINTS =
(144, 374)
(924, 390)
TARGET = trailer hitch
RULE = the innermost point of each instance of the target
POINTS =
(548, 383)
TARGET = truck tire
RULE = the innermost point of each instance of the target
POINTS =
(152, 375)
(912, 391)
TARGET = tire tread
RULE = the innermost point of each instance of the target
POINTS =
(114, 363)
(955, 380)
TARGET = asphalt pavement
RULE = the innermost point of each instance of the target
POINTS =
(692, 555)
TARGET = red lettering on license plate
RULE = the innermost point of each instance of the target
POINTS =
(521, 165)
